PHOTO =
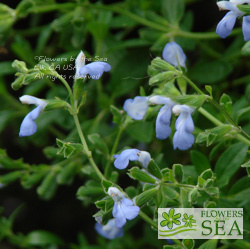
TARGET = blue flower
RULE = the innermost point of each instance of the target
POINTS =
(246, 28)
(94, 69)
(109, 231)
(162, 124)
(136, 108)
(225, 26)
(173, 54)
(122, 160)
(28, 126)
(183, 138)
(124, 209)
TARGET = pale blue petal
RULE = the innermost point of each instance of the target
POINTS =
(183, 138)
(122, 160)
(109, 231)
(144, 158)
(162, 124)
(120, 219)
(225, 26)
(129, 210)
(95, 69)
(173, 54)
(226, 5)
(160, 100)
(246, 28)
(136, 108)
(28, 126)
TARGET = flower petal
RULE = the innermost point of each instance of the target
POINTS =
(79, 63)
(173, 54)
(28, 126)
(136, 108)
(225, 26)
(144, 158)
(160, 100)
(183, 140)
(122, 161)
(129, 210)
(94, 69)
(246, 28)
(162, 124)
(109, 231)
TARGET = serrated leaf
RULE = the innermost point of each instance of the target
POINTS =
(140, 175)
(178, 172)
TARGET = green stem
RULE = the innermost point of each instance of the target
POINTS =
(155, 225)
(191, 83)
(86, 148)
(53, 7)
(114, 148)
(79, 129)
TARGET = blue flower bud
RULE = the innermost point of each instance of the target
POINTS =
(173, 54)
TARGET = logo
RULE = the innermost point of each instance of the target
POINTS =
(200, 223)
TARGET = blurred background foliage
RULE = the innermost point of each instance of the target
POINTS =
(129, 34)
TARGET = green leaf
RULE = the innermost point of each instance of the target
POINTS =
(178, 172)
(98, 143)
(193, 195)
(161, 65)
(173, 10)
(169, 192)
(141, 131)
(244, 8)
(164, 77)
(29, 180)
(207, 174)
(199, 161)
(48, 186)
(209, 204)
(117, 114)
(213, 135)
(190, 100)
(67, 149)
(6, 68)
(66, 176)
(210, 244)
(210, 72)
(213, 191)
(209, 90)
(188, 243)
(226, 102)
(229, 163)
(184, 198)
(10, 177)
(145, 197)
(137, 174)
(53, 104)
(154, 169)
(246, 49)
(106, 185)
(43, 238)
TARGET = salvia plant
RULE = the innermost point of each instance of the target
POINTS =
(121, 108)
